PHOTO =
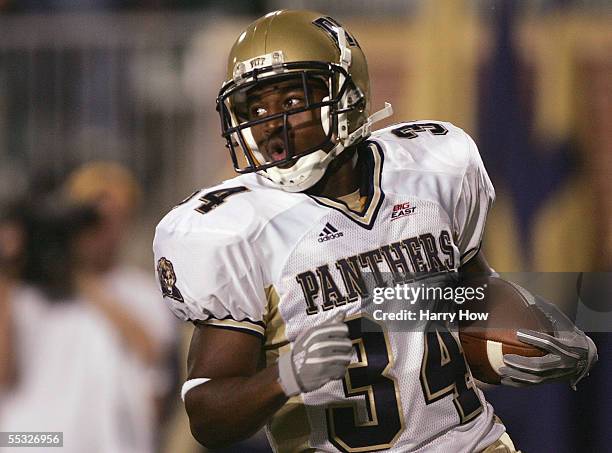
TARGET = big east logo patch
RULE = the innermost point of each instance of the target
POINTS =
(402, 210)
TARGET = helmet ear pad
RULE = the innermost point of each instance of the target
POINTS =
(358, 103)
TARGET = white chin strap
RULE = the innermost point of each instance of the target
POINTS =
(250, 141)
(308, 170)
(325, 115)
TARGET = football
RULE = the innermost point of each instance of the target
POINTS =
(509, 308)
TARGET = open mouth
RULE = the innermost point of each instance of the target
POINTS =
(276, 148)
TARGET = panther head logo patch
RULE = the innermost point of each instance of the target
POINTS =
(167, 279)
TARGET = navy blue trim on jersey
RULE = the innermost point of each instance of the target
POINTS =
(371, 186)
(369, 182)
(256, 328)
(229, 317)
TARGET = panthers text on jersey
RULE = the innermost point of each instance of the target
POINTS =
(247, 256)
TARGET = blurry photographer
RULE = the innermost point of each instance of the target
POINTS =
(75, 370)
(66, 362)
(125, 295)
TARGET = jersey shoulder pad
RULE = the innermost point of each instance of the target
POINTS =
(427, 145)
(208, 264)
(240, 207)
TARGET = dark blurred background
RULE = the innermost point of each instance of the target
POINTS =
(132, 84)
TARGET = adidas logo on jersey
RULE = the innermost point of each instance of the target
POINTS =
(329, 233)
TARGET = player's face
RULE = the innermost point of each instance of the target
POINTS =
(303, 130)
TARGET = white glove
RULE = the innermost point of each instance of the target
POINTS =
(571, 353)
(319, 355)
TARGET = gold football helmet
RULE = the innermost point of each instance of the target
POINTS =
(321, 64)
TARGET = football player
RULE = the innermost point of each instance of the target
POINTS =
(271, 266)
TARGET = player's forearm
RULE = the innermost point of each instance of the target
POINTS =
(226, 410)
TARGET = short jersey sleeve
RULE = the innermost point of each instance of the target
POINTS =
(209, 275)
(476, 195)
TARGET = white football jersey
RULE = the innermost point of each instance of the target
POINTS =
(245, 255)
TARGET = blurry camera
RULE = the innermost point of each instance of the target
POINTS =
(51, 229)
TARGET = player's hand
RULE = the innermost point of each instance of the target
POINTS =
(571, 353)
(319, 355)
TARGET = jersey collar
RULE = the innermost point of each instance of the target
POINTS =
(371, 187)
